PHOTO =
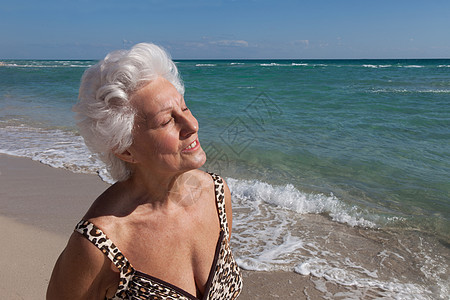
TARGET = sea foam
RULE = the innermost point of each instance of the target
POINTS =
(288, 197)
(269, 65)
(54, 147)
(377, 66)
(205, 65)
(279, 228)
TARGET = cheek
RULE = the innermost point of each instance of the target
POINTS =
(166, 143)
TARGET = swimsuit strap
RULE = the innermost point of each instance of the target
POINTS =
(102, 242)
(220, 200)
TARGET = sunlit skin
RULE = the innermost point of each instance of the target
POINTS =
(164, 129)
(163, 218)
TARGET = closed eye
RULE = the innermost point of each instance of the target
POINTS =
(166, 123)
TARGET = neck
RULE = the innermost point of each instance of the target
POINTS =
(162, 190)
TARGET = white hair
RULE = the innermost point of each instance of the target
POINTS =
(104, 112)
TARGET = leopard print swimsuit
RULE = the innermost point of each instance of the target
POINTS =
(224, 281)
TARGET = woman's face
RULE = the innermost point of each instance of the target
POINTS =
(165, 138)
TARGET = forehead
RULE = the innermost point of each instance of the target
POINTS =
(159, 94)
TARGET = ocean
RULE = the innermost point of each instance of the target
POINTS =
(338, 169)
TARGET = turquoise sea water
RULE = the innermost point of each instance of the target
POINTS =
(365, 143)
(375, 133)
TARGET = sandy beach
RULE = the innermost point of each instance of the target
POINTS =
(40, 206)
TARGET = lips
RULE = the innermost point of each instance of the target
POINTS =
(193, 146)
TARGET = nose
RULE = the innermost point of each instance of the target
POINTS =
(189, 126)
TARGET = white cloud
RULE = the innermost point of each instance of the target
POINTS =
(304, 43)
(194, 44)
(230, 43)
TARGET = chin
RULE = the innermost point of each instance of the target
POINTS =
(200, 159)
(193, 162)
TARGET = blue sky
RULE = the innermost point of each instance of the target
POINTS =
(82, 29)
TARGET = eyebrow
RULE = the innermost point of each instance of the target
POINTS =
(163, 110)
(168, 107)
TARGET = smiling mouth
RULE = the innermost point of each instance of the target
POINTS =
(193, 145)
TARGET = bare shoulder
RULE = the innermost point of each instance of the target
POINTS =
(82, 272)
(110, 203)
(201, 176)
(228, 205)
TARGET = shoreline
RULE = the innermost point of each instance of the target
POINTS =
(40, 207)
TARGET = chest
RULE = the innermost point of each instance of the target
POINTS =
(224, 281)
(179, 251)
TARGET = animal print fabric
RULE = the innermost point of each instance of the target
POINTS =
(224, 282)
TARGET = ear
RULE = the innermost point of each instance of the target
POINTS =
(126, 156)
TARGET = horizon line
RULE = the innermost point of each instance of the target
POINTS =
(247, 59)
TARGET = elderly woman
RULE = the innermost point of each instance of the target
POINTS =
(162, 230)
